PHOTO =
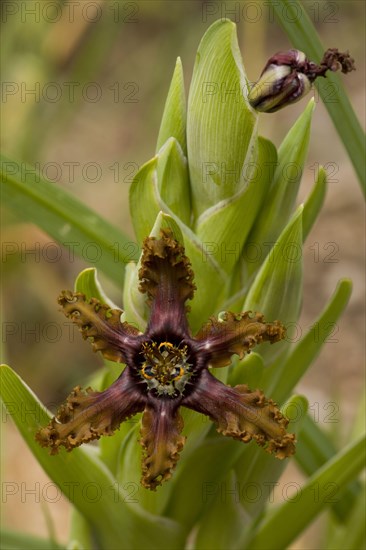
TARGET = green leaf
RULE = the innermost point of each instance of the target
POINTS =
(297, 25)
(145, 201)
(13, 540)
(314, 448)
(225, 226)
(81, 532)
(314, 203)
(359, 422)
(277, 288)
(351, 534)
(173, 180)
(209, 279)
(85, 480)
(280, 199)
(161, 184)
(280, 528)
(173, 123)
(164, 221)
(110, 451)
(224, 519)
(65, 219)
(221, 126)
(242, 494)
(134, 302)
(257, 471)
(87, 282)
(247, 371)
(198, 479)
(280, 379)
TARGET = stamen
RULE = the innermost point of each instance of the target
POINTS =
(165, 368)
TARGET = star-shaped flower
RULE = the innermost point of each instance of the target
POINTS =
(167, 368)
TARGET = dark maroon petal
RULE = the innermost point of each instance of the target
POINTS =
(242, 414)
(88, 414)
(293, 58)
(235, 333)
(167, 278)
(100, 323)
(334, 60)
(161, 440)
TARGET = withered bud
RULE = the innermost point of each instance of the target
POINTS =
(288, 76)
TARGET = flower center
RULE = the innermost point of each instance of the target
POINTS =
(165, 368)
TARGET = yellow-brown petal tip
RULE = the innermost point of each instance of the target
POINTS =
(164, 262)
(162, 442)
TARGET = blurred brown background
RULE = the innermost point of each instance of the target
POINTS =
(100, 72)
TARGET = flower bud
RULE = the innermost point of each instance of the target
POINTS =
(288, 76)
(280, 83)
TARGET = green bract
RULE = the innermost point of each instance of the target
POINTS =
(222, 149)
(229, 197)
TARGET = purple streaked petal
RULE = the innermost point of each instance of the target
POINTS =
(167, 279)
(115, 340)
(161, 440)
(235, 334)
(242, 414)
(88, 414)
(292, 58)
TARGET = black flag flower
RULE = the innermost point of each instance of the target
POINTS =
(167, 368)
